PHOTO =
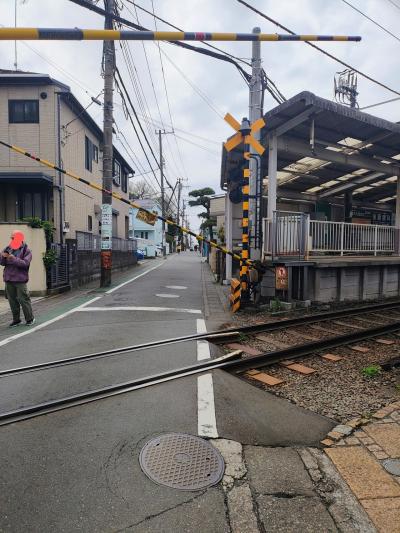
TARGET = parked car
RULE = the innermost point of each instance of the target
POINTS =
(140, 254)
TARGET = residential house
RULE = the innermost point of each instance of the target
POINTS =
(148, 237)
(41, 115)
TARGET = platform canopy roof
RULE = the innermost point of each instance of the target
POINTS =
(326, 149)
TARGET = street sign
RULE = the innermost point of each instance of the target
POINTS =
(281, 278)
(146, 216)
(106, 227)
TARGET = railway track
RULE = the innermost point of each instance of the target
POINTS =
(215, 336)
(231, 362)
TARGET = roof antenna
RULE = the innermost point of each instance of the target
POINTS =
(346, 88)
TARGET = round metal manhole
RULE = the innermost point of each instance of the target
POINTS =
(181, 461)
(392, 466)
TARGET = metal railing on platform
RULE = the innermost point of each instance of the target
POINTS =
(295, 235)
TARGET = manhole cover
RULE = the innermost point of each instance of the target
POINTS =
(181, 461)
(392, 466)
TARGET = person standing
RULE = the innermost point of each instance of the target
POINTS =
(16, 259)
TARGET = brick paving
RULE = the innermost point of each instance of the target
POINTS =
(358, 450)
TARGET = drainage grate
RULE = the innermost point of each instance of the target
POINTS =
(392, 466)
(181, 461)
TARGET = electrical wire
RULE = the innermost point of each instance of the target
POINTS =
(86, 4)
(154, 93)
(394, 4)
(180, 29)
(379, 103)
(279, 25)
(371, 20)
(167, 97)
(124, 94)
(199, 146)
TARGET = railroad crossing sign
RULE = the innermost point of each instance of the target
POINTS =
(244, 134)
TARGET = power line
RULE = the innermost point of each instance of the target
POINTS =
(117, 18)
(202, 95)
(371, 19)
(380, 103)
(366, 76)
(394, 4)
(180, 29)
(199, 146)
(120, 83)
(167, 97)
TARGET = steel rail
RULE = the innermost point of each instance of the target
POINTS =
(223, 363)
(213, 335)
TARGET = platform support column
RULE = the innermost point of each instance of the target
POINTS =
(272, 175)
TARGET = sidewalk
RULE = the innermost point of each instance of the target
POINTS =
(361, 457)
(47, 307)
(343, 487)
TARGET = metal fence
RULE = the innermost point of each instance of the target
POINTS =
(285, 235)
(58, 274)
(340, 238)
(88, 242)
(295, 235)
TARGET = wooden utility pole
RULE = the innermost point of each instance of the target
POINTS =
(106, 208)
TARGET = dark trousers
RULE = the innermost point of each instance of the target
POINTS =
(18, 296)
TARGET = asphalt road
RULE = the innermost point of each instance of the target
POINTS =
(77, 470)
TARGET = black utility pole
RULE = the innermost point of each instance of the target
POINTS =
(106, 208)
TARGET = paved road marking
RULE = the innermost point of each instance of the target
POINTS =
(206, 420)
(141, 308)
(133, 279)
(167, 295)
(177, 287)
(203, 348)
(48, 322)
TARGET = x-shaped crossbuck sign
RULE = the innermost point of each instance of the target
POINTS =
(240, 137)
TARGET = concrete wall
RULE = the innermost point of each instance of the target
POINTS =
(339, 283)
(36, 241)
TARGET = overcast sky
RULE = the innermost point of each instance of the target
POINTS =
(294, 67)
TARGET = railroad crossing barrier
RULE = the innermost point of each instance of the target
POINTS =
(148, 215)
(78, 34)
(235, 294)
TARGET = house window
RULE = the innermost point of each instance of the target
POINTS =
(88, 154)
(89, 223)
(124, 181)
(23, 111)
(126, 227)
(32, 204)
(144, 234)
(117, 171)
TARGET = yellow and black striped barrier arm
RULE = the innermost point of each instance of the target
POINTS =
(235, 295)
(78, 34)
(124, 200)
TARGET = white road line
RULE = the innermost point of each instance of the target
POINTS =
(203, 348)
(167, 295)
(141, 308)
(133, 279)
(206, 419)
(177, 287)
(48, 322)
